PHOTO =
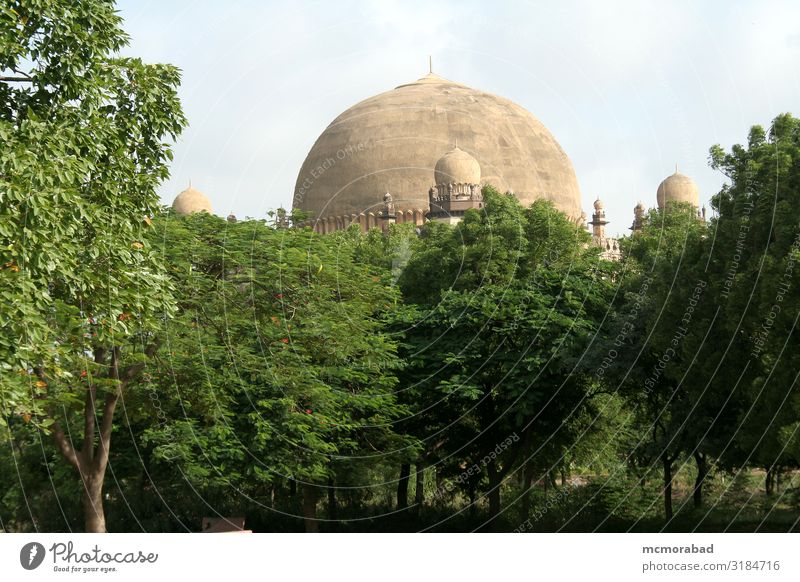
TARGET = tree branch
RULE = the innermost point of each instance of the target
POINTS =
(62, 442)
(64, 446)
(90, 411)
(88, 423)
(124, 376)
(107, 422)
(22, 76)
(131, 372)
(106, 426)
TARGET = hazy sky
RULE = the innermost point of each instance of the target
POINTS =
(629, 89)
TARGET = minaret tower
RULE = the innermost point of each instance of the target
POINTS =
(638, 217)
(599, 221)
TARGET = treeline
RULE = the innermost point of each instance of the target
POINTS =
(157, 369)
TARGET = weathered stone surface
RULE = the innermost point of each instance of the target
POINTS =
(457, 166)
(678, 188)
(391, 143)
(190, 201)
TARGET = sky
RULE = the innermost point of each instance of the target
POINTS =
(629, 89)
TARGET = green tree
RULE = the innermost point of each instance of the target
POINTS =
(83, 134)
(278, 366)
(756, 249)
(644, 354)
(505, 303)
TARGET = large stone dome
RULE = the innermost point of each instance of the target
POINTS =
(678, 188)
(392, 142)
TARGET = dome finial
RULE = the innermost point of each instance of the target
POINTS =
(430, 64)
(676, 167)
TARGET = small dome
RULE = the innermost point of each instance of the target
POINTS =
(459, 167)
(639, 205)
(598, 204)
(190, 201)
(678, 188)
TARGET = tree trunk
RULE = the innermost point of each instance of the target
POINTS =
(92, 501)
(702, 472)
(292, 487)
(769, 480)
(667, 462)
(310, 508)
(91, 461)
(527, 482)
(333, 509)
(563, 472)
(402, 485)
(494, 489)
(439, 476)
(419, 488)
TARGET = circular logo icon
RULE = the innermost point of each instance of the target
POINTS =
(31, 555)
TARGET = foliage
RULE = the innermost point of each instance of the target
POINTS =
(83, 133)
(502, 308)
(260, 368)
(277, 366)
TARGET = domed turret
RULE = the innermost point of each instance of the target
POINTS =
(458, 167)
(190, 201)
(458, 187)
(598, 204)
(678, 188)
